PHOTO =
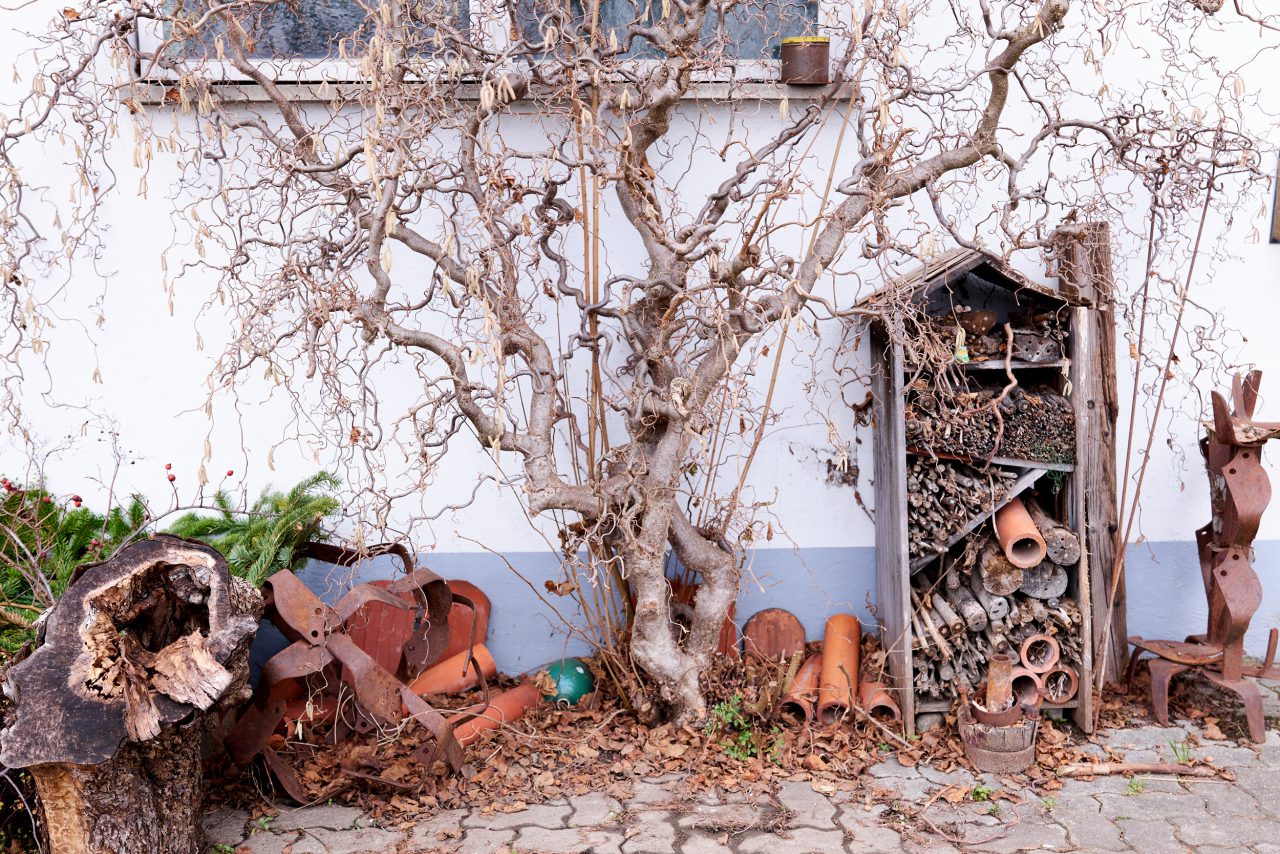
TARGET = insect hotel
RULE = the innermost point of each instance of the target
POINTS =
(981, 547)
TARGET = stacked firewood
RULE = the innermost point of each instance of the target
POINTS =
(1031, 424)
(943, 496)
(978, 603)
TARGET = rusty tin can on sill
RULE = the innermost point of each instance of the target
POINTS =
(806, 61)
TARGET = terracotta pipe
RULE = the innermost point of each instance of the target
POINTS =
(1027, 686)
(798, 703)
(1019, 537)
(1060, 684)
(838, 685)
(999, 682)
(1039, 653)
(448, 677)
(502, 709)
(874, 695)
(460, 618)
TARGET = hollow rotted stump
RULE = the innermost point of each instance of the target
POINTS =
(111, 709)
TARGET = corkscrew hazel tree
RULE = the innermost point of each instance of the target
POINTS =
(572, 230)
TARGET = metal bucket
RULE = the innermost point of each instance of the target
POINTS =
(806, 61)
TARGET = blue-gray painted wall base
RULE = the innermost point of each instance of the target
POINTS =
(1165, 594)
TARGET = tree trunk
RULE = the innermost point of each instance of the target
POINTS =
(111, 709)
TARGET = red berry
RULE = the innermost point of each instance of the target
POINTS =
(46, 499)
(172, 478)
(230, 472)
(168, 466)
(76, 503)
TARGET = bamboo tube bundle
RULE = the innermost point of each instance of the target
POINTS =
(1040, 426)
(943, 496)
(950, 651)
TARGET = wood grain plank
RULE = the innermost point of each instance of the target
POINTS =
(892, 574)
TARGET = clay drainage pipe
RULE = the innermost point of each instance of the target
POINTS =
(1039, 653)
(1019, 537)
(455, 674)
(838, 685)
(999, 682)
(1027, 687)
(502, 709)
(875, 697)
(797, 705)
(1060, 684)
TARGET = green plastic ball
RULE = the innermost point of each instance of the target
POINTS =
(572, 679)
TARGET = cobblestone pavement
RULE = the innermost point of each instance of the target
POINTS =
(1109, 814)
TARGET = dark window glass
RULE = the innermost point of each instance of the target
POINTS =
(310, 29)
(751, 30)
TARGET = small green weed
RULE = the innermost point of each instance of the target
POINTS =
(1136, 786)
(994, 810)
(1048, 803)
(739, 736)
(1181, 751)
(981, 793)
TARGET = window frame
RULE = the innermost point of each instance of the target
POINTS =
(301, 71)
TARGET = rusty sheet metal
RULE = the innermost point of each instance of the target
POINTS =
(322, 646)
(1240, 491)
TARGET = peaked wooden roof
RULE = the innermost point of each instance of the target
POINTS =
(952, 266)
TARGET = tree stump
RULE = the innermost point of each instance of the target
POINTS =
(111, 709)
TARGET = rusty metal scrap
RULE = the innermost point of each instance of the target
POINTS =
(1239, 493)
(322, 646)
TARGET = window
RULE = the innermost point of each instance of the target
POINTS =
(284, 34)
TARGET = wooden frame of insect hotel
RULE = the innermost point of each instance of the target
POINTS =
(981, 544)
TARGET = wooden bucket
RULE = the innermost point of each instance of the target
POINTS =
(1000, 749)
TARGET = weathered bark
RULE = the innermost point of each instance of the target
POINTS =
(112, 707)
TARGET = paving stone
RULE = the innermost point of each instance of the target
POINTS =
(370, 840)
(268, 843)
(1262, 783)
(1033, 835)
(1217, 831)
(1223, 799)
(891, 768)
(484, 841)
(722, 817)
(801, 840)
(1088, 788)
(943, 778)
(592, 809)
(657, 792)
(539, 815)
(1082, 818)
(566, 840)
(808, 806)
(871, 837)
(1145, 738)
(930, 847)
(443, 826)
(328, 816)
(1149, 805)
(226, 827)
(910, 788)
(653, 834)
(1150, 837)
(1226, 755)
(602, 841)
(699, 842)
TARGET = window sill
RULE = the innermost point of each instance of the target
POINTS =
(155, 93)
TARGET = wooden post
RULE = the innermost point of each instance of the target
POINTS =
(892, 575)
(1084, 269)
